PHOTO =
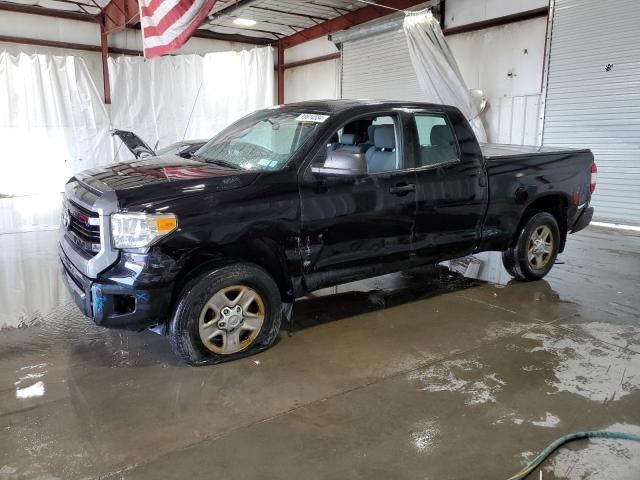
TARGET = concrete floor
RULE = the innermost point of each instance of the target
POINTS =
(418, 375)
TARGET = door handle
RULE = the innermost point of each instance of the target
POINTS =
(403, 189)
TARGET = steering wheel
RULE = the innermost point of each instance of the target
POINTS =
(250, 150)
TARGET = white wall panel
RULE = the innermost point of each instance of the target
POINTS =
(505, 62)
(314, 48)
(462, 12)
(316, 81)
(49, 28)
(515, 120)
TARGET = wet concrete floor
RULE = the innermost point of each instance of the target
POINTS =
(417, 375)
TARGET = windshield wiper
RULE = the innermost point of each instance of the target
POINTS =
(224, 163)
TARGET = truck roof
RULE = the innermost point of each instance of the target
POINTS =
(339, 106)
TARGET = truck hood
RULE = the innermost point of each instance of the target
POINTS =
(149, 180)
(134, 143)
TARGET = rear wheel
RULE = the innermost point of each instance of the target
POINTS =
(228, 313)
(536, 249)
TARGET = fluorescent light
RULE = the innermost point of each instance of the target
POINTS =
(245, 22)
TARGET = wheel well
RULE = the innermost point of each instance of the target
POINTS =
(556, 205)
(264, 253)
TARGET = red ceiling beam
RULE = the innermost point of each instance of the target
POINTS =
(68, 45)
(498, 21)
(48, 12)
(232, 37)
(351, 19)
(118, 14)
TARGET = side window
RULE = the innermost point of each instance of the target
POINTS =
(436, 139)
(374, 138)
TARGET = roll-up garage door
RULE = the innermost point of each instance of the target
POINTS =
(379, 67)
(593, 96)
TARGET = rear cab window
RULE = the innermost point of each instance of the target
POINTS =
(436, 140)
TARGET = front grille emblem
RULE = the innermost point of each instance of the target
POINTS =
(66, 219)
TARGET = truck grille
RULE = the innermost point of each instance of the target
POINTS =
(82, 228)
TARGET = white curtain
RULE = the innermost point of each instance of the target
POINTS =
(52, 123)
(167, 99)
(436, 68)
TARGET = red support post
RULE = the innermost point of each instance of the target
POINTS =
(280, 68)
(104, 44)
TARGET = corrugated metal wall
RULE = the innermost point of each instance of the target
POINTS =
(593, 96)
(379, 67)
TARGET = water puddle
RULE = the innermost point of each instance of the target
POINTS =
(590, 369)
(470, 378)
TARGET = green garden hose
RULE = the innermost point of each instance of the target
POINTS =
(542, 456)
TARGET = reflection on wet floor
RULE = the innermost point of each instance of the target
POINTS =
(419, 374)
(30, 284)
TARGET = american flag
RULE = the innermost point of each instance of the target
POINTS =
(168, 24)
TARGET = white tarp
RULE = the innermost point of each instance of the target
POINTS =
(167, 99)
(52, 123)
(436, 68)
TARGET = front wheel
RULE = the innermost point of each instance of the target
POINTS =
(535, 251)
(228, 313)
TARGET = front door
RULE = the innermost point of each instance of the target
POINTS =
(352, 226)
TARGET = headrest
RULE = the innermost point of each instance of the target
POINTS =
(441, 135)
(371, 130)
(385, 136)
(348, 139)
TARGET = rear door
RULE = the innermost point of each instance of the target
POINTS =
(451, 184)
(351, 224)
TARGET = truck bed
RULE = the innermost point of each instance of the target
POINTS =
(492, 151)
(517, 174)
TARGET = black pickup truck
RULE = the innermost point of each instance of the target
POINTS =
(290, 199)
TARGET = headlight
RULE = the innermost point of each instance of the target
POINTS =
(139, 230)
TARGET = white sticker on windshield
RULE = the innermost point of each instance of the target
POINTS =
(312, 117)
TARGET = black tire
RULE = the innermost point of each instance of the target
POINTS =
(516, 258)
(184, 333)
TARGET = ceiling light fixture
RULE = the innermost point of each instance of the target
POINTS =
(245, 22)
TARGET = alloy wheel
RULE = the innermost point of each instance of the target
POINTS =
(540, 247)
(231, 320)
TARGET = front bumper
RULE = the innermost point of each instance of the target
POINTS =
(113, 305)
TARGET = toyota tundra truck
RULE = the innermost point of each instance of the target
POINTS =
(211, 250)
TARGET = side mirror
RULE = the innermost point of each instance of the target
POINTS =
(342, 164)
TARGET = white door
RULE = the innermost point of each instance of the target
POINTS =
(593, 96)
(379, 67)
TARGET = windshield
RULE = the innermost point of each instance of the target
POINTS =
(261, 142)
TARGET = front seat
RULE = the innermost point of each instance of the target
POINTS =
(382, 156)
(349, 143)
(371, 129)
